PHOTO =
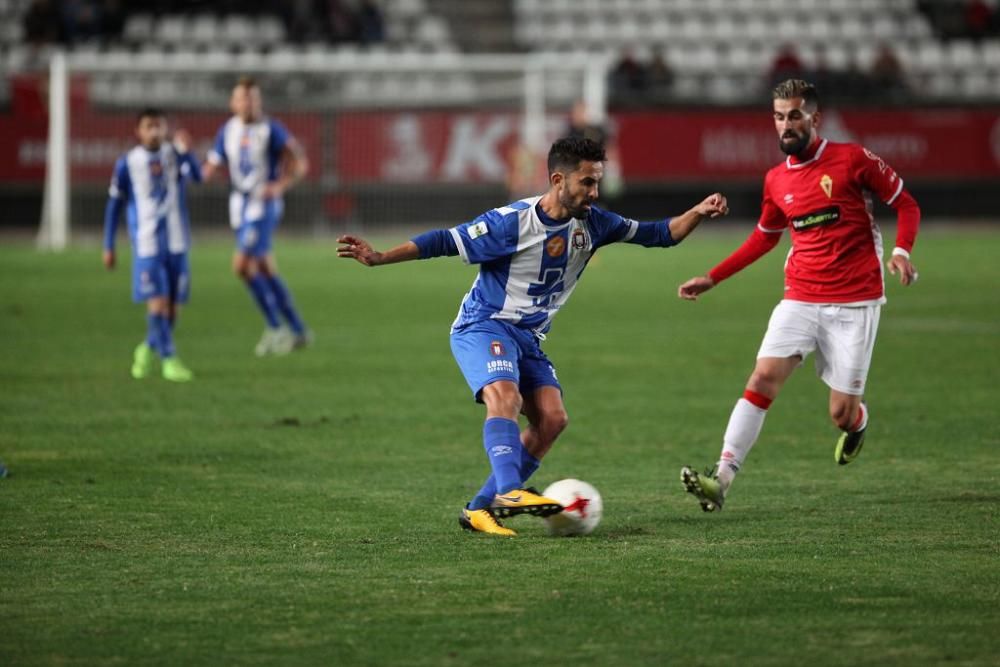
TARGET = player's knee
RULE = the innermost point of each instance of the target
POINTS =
(503, 398)
(764, 381)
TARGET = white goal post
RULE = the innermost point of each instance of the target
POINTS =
(537, 88)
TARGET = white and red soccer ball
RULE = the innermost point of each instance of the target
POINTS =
(582, 508)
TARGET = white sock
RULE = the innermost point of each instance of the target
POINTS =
(744, 426)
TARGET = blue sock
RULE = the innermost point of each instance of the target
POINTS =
(152, 331)
(265, 299)
(283, 300)
(529, 464)
(164, 337)
(502, 440)
(484, 497)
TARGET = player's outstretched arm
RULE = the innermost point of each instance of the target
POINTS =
(713, 206)
(355, 247)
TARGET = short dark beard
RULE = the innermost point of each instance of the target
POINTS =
(796, 148)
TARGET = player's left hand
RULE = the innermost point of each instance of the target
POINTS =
(907, 272)
(713, 206)
(355, 247)
(182, 141)
(108, 257)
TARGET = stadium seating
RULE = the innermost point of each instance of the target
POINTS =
(720, 51)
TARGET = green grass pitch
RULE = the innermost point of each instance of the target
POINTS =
(302, 511)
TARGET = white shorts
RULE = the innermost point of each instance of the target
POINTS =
(843, 338)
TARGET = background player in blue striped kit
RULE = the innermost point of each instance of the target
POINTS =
(531, 255)
(148, 183)
(264, 160)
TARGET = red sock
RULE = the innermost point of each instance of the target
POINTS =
(861, 419)
(760, 400)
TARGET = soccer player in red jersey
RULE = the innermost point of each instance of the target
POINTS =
(834, 287)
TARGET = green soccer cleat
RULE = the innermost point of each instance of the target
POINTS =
(142, 360)
(705, 488)
(175, 370)
(483, 521)
(849, 446)
(524, 501)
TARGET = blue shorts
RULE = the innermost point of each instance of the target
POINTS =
(164, 275)
(253, 237)
(491, 350)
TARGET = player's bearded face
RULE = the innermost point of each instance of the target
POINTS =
(246, 103)
(151, 131)
(795, 125)
(580, 188)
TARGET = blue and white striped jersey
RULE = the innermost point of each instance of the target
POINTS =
(530, 264)
(151, 186)
(253, 153)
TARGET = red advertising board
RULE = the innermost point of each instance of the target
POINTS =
(423, 147)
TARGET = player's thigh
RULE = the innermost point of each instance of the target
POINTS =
(149, 278)
(485, 353)
(845, 344)
(791, 331)
(249, 239)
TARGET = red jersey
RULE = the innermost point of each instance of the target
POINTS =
(836, 254)
(825, 199)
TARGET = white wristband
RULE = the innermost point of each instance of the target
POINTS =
(899, 251)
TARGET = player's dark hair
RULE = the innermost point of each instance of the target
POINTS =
(567, 153)
(791, 88)
(150, 112)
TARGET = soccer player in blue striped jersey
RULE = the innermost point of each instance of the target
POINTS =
(531, 254)
(148, 183)
(264, 160)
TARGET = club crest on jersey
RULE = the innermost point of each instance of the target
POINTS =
(579, 239)
(478, 229)
(827, 184)
(555, 246)
(496, 348)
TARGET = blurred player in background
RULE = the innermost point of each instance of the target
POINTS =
(148, 182)
(834, 285)
(531, 255)
(264, 161)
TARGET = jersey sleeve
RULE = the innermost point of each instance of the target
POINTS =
(772, 219)
(279, 138)
(488, 237)
(217, 155)
(614, 228)
(118, 193)
(188, 167)
(875, 175)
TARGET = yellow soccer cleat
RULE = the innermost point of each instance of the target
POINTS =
(142, 360)
(524, 501)
(175, 371)
(483, 521)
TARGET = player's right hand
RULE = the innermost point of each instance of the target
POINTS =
(355, 247)
(182, 141)
(108, 257)
(690, 290)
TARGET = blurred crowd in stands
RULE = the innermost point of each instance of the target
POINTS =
(75, 21)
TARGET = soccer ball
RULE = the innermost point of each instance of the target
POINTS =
(583, 508)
